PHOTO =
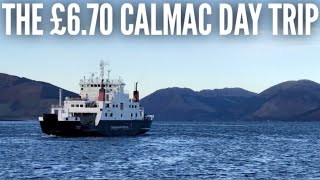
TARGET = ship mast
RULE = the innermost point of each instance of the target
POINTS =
(109, 75)
(102, 64)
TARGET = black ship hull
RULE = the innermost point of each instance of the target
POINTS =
(51, 126)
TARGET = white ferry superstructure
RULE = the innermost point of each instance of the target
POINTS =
(103, 109)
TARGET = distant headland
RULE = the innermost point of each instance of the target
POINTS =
(25, 99)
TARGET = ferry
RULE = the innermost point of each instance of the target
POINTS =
(102, 109)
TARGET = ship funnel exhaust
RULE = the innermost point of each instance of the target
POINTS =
(102, 93)
(136, 93)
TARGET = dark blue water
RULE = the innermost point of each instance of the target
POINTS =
(268, 150)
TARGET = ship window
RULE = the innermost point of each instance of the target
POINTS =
(111, 114)
(121, 106)
(129, 106)
(106, 115)
(77, 105)
(108, 105)
(66, 119)
(113, 106)
(135, 106)
(81, 89)
(81, 105)
(95, 85)
(98, 85)
(72, 105)
(117, 106)
(91, 85)
(131, 114)
(140, 113)
(121, 114)
(136, 114)
(109, 85)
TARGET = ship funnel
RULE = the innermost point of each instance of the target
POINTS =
(136, 93)
(102, 93)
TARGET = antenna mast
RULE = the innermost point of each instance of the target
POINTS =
(109, 75)
(102, 64)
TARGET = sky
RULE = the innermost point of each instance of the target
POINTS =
(252, 63)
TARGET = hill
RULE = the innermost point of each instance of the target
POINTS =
(22, 98)
(180, 104)
(291, 100)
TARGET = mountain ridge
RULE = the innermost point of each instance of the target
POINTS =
(23, 98)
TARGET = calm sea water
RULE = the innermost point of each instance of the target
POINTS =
(268, 150)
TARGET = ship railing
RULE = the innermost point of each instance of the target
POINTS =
(98, 81)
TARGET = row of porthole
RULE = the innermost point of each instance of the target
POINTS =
(94, 85)
(116, 106)
(132, 106)
(77, 105)
(81, 105)
(111, 115)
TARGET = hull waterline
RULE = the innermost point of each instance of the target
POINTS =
(51, 126)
